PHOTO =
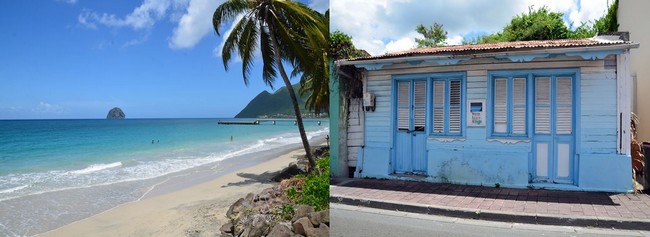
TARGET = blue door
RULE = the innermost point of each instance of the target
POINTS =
(410, 135)
(554, 130)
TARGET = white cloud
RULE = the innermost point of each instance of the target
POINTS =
(47, 108)
(193, 20)
(217, 51)
(374, 25)
(195, 24)
(84, 20)
(454, 40)
(137, 41)
(71, 2)
(144, 16)
(320, 5)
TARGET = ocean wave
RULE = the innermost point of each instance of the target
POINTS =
(117, 172)
(96, 167)
(11, 190)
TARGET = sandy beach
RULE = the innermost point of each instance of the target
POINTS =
(198, 210)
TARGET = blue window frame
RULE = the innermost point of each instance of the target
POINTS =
(447, 106)
(511, 95)
(509, 100)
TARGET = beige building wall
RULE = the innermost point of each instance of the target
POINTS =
(634, 16)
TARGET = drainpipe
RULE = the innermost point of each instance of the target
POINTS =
(361, 152)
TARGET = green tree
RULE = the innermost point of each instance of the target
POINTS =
(315, 80)
(543, 24)
(341, 47)
(285, 31)
(608, 23)
(434, 35)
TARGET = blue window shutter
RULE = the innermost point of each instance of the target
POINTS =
(439, 106)
(455, 106)
(419, 104)
(543, 105)
(564, 105)
(519, 106)
(500, 105)
(403, 94)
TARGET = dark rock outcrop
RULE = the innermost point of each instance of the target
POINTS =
(271, 213)
(115, 113)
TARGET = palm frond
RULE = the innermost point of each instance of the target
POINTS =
(227, 12)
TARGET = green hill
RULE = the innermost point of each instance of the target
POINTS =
(277, 104)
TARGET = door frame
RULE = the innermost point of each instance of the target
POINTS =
(428, 124)
(574, 147)
(394, 110)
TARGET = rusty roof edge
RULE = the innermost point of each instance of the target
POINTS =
(507, 52)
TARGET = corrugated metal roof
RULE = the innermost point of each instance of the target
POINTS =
(498, 47)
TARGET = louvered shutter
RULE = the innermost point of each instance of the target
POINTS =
(564, 105)
(542, 105)
(403, 89)
(500, 105)
(519, 106)
(439, 106)
(419, 104)
(454, 106)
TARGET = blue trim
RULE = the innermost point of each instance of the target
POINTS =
(523, 57)
(373, 66)
(448, 77)
(447, 61)
(509, 77)
(593, 55)
(393, 127)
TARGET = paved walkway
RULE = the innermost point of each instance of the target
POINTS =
(592, 209)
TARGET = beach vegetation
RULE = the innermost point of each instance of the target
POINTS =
(285, 212)
(283, 31)
(315, 190)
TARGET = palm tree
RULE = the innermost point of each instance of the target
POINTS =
(286, 32)
(315, 80)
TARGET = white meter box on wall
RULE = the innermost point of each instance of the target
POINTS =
(476, 113)
(369, 101)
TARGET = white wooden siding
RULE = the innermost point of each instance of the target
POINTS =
(355, 130)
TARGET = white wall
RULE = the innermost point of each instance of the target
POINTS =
(633, 17)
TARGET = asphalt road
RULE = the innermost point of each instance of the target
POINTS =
(362, 221)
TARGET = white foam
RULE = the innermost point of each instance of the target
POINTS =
(11, 190)
(111, 173)
(97, 167)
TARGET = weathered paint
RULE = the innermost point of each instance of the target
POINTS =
(478, 159)
(334, 111)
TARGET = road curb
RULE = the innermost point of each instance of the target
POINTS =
(489, 215)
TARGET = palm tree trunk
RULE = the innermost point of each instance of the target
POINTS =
(294, 100)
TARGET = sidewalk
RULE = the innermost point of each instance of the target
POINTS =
(534, 206)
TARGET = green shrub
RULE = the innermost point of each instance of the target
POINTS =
(293, 194)
(316, 191)
(286, 212)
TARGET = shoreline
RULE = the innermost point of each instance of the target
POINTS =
(197, 209)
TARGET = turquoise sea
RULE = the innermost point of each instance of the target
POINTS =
(53, 172)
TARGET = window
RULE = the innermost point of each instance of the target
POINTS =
(524, 103)
(509, 98)
(447, 107)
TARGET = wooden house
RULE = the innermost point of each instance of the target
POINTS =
(542, 114)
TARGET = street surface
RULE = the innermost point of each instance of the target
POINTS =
(362, 221)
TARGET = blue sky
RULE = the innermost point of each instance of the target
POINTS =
(153, 59)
